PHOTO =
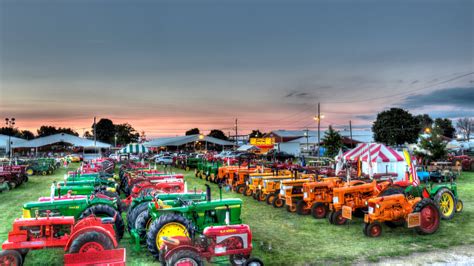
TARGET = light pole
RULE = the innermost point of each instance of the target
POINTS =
(10, 122)
(306, 135)
(115, 137)
(318, 119)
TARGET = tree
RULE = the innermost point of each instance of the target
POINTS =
(67, 130)
(126, 134)
(44, 131)
(395, 127)
(10, 131)
(434, 145)
(256, 134)
(218, 134)
(26, 134)
(332, 141)
(105, 130)
(88, 135)
(193, 131)
(425, 121)
(466, 126)
(446, 127)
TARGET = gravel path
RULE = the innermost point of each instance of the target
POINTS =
(460, 255)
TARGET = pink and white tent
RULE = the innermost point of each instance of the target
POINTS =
(378, 153)
(377, 158)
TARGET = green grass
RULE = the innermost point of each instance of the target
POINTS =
(280, 238)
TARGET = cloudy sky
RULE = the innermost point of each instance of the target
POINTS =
(166, 66)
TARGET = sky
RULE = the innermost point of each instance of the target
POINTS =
(167, 66)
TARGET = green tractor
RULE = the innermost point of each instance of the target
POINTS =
(77, 206)
(183, 217)
(210, 170)
(192, 162)
(41, 166)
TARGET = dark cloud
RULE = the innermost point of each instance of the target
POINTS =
(457, 97)
(298, 94)
(415, 81)
(366, 117)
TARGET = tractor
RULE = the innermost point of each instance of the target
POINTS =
(12, 176)
(234, 241)
(185, 217)
(394, 210)
(92, 235)
(79, 207)
(349, 199)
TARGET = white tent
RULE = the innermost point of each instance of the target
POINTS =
(134, 148)
(248, 148)
(61, 137)
(182, 140)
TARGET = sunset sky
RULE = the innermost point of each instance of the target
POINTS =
(167, 66)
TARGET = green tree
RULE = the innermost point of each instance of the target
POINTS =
(446, 127)
(255, 134)
(434, 145)
(218, 134)
(105, 130)
(28, 135)
(10, 131)
(396, 126)
(193, 131)
(332, 141)
(126, 134)
(425, 121)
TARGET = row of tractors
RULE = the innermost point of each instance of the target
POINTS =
(12, 176)
(83, 214)
(340, 198)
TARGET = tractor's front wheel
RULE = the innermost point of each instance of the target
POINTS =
(11, 257)
(260, 196)
(429, 217)
(101, 210)
(238, 259)
(291, 208)
(270, 198)
(30, 171)
(91, 241)
(248, 192)
(337, 218)
(185, 257)
(168, 225)
(301, 208)
(278, 203)
(253, 262)
(446, 202)
(43, 173)
(319, 210)
(459, 205)
(373, 229)
(240, 189)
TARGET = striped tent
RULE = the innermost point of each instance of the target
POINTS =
(373, 152)
(134, 148)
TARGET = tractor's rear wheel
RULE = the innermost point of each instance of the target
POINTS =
(168, 225)
(270, 198)
(11, 257)
(278, 203)
(185, 257)
(91, 241)
(337, 218)
(132, 214)
(373, 229)
(142, 223)
(301, 208)
(255, 194)
(429, 217)
(319, 210)
(459, 205)
(101, 210)
(446, 202)
(330, 217)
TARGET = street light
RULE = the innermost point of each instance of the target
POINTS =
(10, 122)
(318, 119)
(115, 137)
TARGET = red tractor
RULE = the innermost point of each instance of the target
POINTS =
(92, 235)
(234, 241)
(162, 186)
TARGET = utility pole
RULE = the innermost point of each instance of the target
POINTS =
(319, 127)
(306, 133)
(350, 130)
(95, 133)
(236, 143)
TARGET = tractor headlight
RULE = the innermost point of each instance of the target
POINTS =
(377, 206)
(259, 186)
(335, 200)
(366, 203)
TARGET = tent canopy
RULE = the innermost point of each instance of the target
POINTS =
(378, 153)
(61, 137)
(248, 148)
(178, 141)
(4, 141)
(134, 148)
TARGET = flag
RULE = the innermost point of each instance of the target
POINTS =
(369, 161)
(339, 162)
(412, 175)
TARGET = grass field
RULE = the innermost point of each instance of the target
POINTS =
(280, 238)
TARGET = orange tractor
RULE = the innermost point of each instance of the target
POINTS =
(317, 196)
(292, 193)
(395, 210)
(352, 198)
(253, 182)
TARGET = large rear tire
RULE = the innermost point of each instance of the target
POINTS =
(429, 217)
(142, 223)
(91, 241)
(133, 214)
(170, 224)
(11, 257)
(100, 210)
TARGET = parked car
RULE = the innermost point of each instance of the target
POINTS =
(279, 155)
(164, 160)
(74, 158)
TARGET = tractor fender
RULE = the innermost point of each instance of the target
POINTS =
(95, 228)
(181, 247)
(435, 188)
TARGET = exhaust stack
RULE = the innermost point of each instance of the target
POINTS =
(208, 192)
